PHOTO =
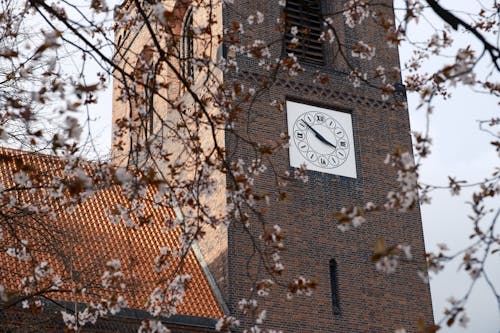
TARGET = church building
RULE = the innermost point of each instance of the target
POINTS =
(339, 129)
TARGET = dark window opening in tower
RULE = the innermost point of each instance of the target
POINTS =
(334, 287)
(141, 104)
(148, 118)
(303, 30)
(187, 47)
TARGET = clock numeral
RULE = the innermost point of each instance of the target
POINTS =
(299, 135)
(339, 132)
(342, 143)
(309, 118)
(320, 117)
(312, 156)
(333, 160)
(303, 146)
(301, 124)
(330, 123)
(341, 154)
(323, 161)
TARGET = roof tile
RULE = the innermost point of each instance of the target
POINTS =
(79, 243)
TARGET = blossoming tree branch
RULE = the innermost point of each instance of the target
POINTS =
(180, 112)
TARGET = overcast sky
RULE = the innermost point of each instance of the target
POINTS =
(462, 151)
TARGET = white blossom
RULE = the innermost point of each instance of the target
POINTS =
(442, 246)
(474, 272)
(357, 221)
(22, 253)
(355, 12)
(264, 287)
(159, 12)
(224, 324)
(363, 51)
(328, 36)
(355, 78)
(161, 261)
(21, 178)
(260, 17)
(301, 173)
(153, 326)
(69, 320)
(424, 276)
(387, 264)
(261, 317)
(56, 282)
(114, 264)
(73, 128)
(164, 301)
(42, 270)
(406, 250)
(464, 320)
(112, 276)
(370, 206)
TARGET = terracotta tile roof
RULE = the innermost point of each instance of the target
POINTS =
(78, 243)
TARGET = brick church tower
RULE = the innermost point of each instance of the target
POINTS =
(342, 132)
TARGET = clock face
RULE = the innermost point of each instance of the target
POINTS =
(321, 138)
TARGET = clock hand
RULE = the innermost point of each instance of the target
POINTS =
(319, 136)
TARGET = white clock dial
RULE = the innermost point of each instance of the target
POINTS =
(321, 138)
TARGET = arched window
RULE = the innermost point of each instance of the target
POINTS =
(334, 287)
(303, 30)
(142, 106)
(187, 46)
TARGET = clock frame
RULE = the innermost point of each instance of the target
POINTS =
(321, 138)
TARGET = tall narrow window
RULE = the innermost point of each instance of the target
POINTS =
(187, 47)
(303, 30)
(334, 287)
(142, 108)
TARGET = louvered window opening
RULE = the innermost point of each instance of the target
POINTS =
(334, 287)
(306, 16)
